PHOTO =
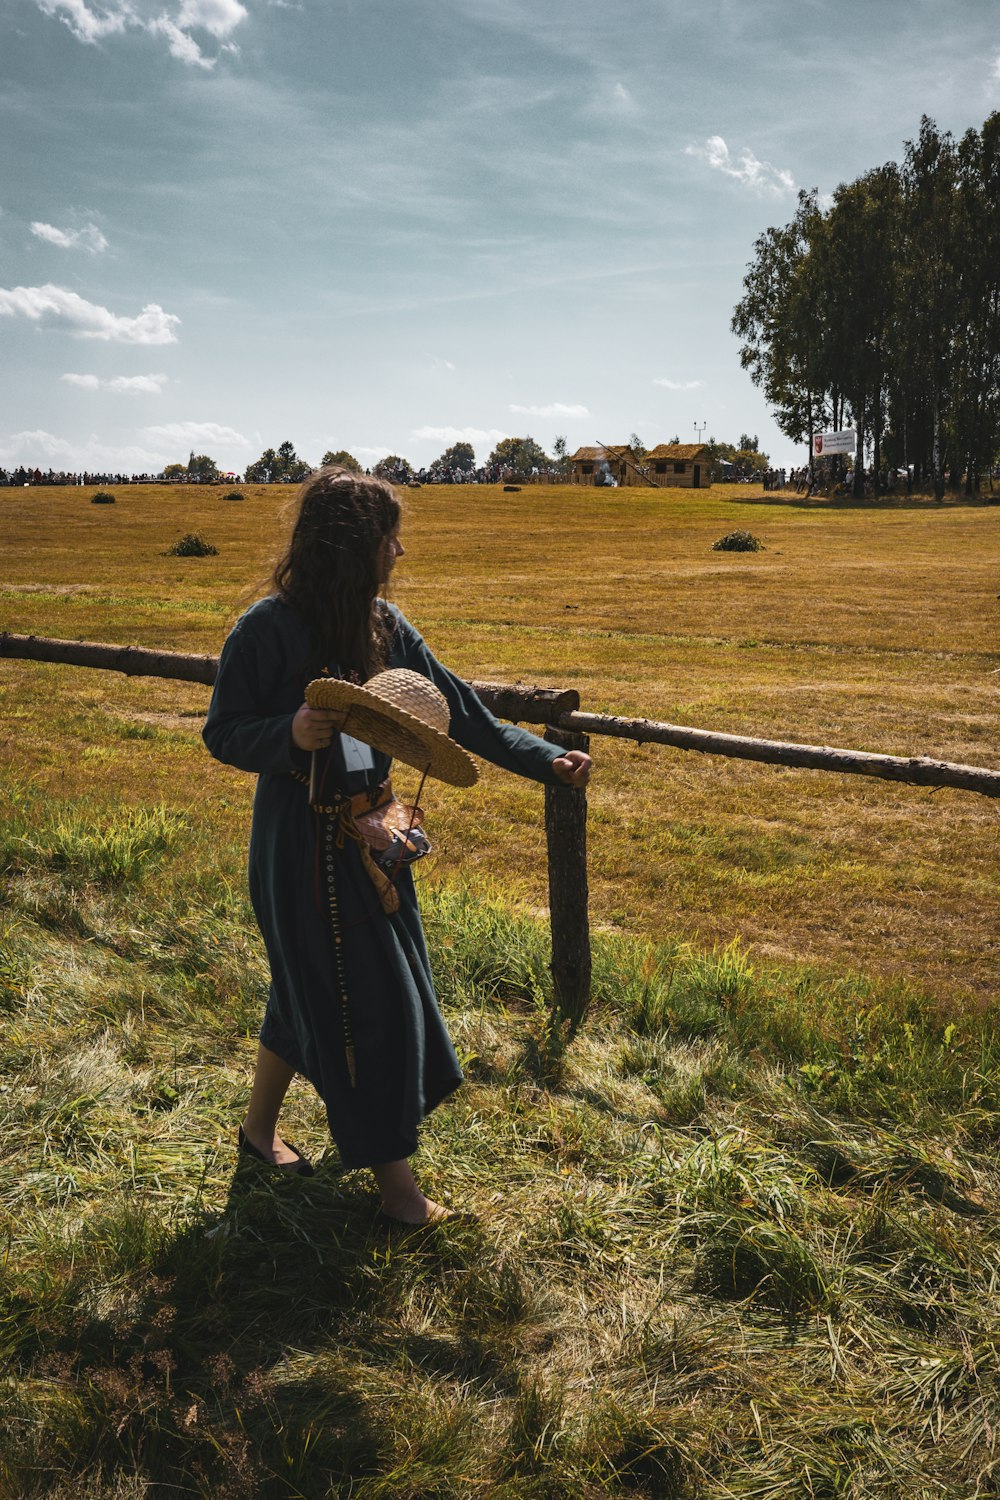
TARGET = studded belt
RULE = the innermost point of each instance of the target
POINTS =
(335, 823)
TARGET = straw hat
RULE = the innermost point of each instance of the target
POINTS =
(402, 714)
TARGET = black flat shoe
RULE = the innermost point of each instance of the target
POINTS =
(302, 1168)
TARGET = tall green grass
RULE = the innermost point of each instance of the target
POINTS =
(737, 1238)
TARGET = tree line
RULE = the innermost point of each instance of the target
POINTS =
(456, 465)
(521, 457)
(881, 312)
(511, 458)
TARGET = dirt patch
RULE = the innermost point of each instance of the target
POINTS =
(50, 588)
(192, 721)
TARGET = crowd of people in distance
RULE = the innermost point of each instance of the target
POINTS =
(20, 477)
(771, 479)
(828, 479)
(487, 474)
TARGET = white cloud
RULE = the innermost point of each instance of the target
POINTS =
(92, 24)
(611, 98)
(45, 450)
(88, 238)
(150, 385)
(679, 385)
(180, 45)
(192, 433)
(458, 434)
(146, 385)
(85, 24)
(554, 409)
(745, 168)
(88, 320)
(996, 67)
(217, 16)
(373, 453)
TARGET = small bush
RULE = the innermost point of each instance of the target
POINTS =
(738, 541)
(192, 545)
(234, 495)
(102, 497)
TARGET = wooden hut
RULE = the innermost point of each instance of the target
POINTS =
(612, 465)
(679, 466)
(667, 466)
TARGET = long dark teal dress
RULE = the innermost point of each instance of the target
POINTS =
(405, 1062)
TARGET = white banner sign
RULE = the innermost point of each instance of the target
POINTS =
(834, 442)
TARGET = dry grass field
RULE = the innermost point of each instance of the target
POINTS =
(738, 1239)
(877, 628)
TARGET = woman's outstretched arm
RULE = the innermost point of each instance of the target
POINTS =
(480, 732)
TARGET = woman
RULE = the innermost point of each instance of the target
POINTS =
(326, 616)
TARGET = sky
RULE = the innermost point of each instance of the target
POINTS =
(391, 225)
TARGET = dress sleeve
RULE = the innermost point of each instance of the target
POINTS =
(472, 724)
(239, 729)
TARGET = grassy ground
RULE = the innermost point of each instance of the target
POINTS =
(859, 626)
(738, 1239)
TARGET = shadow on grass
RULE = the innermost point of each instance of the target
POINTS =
(254, 1353)
(868, 502)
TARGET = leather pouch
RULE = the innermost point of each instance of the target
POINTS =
(393, 832)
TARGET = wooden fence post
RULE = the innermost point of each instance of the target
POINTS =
(566, 837)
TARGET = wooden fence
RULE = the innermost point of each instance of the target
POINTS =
(565, 807)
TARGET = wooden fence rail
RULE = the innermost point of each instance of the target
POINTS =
(565, 807)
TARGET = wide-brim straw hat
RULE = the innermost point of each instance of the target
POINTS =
(402, 714)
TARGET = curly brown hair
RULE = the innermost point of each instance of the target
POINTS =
(332, 570)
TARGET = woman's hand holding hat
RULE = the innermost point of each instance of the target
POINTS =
(401, 713)
(314, 728)
(573, 768)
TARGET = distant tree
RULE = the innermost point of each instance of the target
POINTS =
(855, 252)
(784, 343)
(746, 460)
(460, 458)
(931, 282)
(263, 469)
(293, 468)
(283, 467)
(881, 312)
(519, 455)
(393, 468)
(977, 354)
(175, 471)
(676, 439)
(720, 453)
(202, 469)
(561, 455)
(340, 460)
(637, 445)
(750, 463)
